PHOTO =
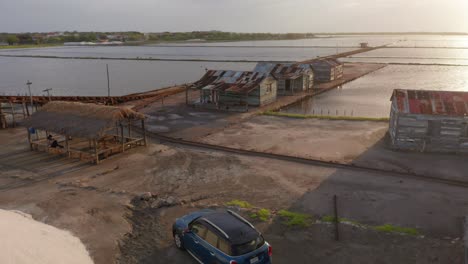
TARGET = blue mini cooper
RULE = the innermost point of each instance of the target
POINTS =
(221, 237)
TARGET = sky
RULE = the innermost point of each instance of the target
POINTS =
(234, 15)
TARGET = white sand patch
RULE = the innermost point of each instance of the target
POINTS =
(26, 241)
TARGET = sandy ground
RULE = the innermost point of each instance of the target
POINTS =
(357, 142)
(95, 203)
(27, 241)
(340, 141)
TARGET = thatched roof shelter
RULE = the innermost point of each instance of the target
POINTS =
(81, 120)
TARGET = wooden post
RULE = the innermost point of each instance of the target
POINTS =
(29, 138)
(129, 129)
(2, 117)
(144, 131)
(335, 207)
(67, 145)
(96, 151)
(201, 97)
(122, 137)
(13, 114)
(27, 109)
(186, 95)
(465, 238)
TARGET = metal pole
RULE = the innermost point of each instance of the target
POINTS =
(108, 82)
(30, 95)
(48, 93)
(335, 205)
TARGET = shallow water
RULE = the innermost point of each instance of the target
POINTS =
(414, 55)
(370, 95)
(183, 53)
(88, 77)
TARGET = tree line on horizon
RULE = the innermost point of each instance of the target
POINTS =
(74, 36)
(67, 36)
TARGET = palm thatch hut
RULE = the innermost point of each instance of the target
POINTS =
(88, 131)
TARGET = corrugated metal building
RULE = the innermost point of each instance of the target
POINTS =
(292, 78)
(327, 70)
(235, 88)
(429, 120)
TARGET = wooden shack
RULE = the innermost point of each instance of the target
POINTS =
(86, 131)
(327, 70)
(432, 121)
(291, 78)
(233, 89)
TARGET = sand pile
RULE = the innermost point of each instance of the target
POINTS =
(24, 241)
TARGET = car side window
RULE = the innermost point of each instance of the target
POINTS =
(223, 245)
(199, 229)
(211, 238)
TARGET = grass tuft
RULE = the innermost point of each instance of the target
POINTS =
(350, 118)
(331, 219)
(295, 219)
(239, 203)
(262, 214)
(387, 228)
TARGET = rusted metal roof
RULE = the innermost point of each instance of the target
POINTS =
(283, 70)
(231, 81)
(431, 102)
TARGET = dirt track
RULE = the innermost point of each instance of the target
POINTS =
(94, 202)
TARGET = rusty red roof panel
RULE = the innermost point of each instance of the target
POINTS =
(451, 103)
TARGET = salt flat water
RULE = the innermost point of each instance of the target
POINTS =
(458, 56)
(183, 53)
(87, 76)
(369, 96)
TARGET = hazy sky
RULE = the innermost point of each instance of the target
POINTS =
(234, 15)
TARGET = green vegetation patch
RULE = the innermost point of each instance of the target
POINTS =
(331, 219)
(262, 214)
(350, 118)
(295, 219)
(387, 228)
(27, 46)
(239, 203)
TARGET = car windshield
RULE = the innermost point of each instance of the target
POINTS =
(250, 246)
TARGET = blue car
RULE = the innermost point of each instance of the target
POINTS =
(221, 237)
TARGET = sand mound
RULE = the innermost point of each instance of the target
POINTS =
(24, 241)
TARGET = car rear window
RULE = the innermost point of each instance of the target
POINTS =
(250, 246)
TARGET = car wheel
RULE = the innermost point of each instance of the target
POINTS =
(178, 241)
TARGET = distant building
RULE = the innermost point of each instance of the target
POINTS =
(327, 70)
(429, 120)
(364, 45)
(292, 78)
(227, 89)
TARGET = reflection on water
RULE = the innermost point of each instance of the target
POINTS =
(88, 77)
(370, 95)
(183, 53)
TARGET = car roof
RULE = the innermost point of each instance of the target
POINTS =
(238, 231)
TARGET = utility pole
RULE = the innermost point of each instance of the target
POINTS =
(108, 83)
(30, 95)
(48, 93)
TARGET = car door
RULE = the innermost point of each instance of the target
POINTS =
(193, 240)
(210, 244)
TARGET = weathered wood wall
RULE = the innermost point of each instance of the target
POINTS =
(431, 133)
